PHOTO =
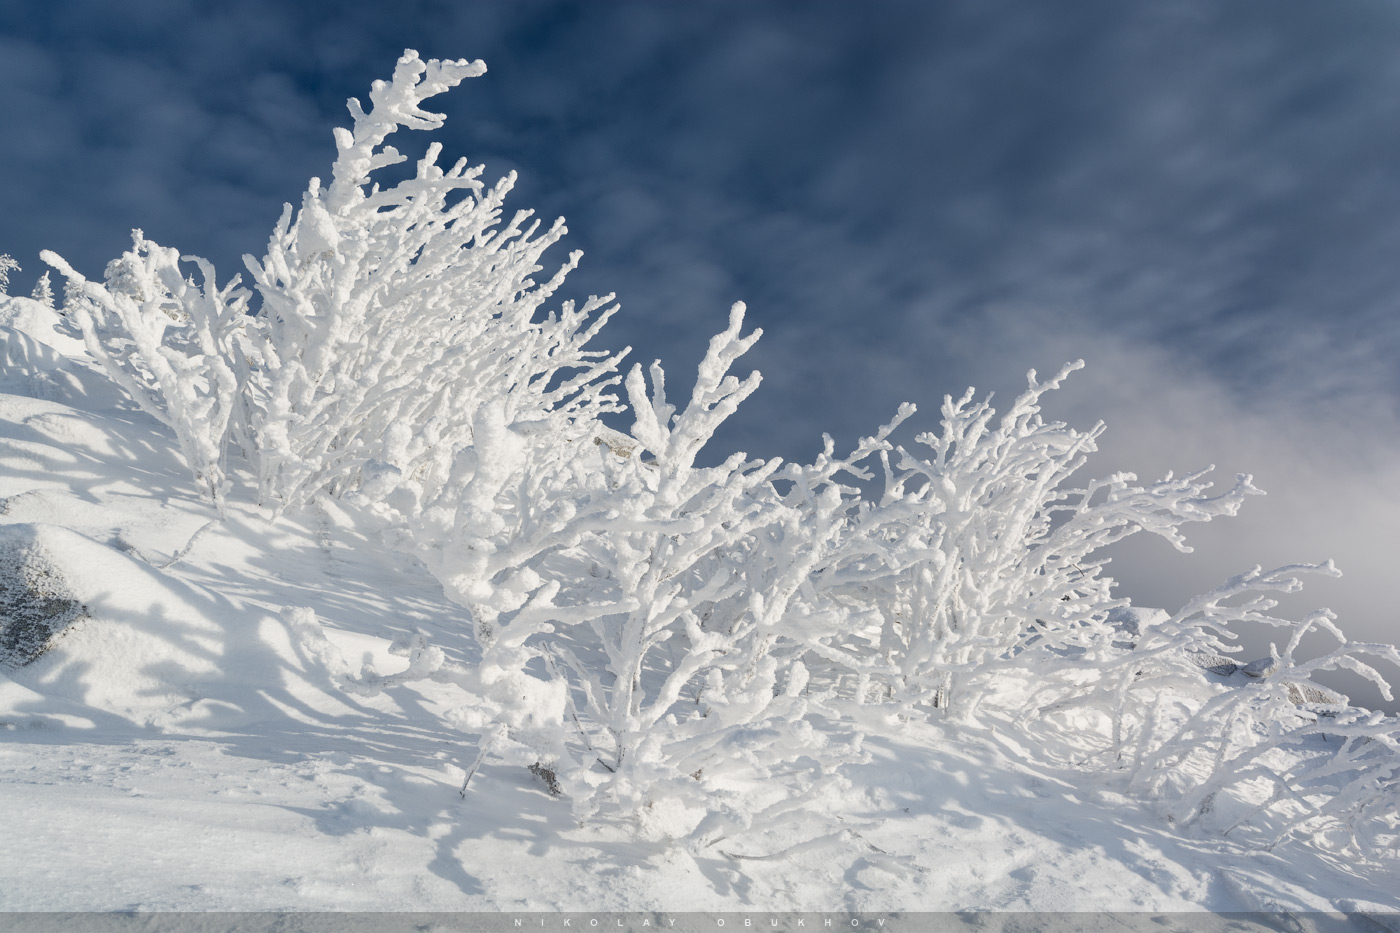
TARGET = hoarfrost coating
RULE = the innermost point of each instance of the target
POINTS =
(708, 660)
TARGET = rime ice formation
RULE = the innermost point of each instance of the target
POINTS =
(364, 540)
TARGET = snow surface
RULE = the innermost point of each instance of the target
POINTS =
(186, 747)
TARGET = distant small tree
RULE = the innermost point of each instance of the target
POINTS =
(43, 291)
(7, 265)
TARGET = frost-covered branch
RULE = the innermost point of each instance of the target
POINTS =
(977, 549)
(1262, 744)
(171, 343)
(393, 316)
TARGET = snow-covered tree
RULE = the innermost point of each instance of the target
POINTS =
(390, 319)
(7, 265)
(43, 291)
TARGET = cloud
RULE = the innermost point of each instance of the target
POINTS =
(1330, 471)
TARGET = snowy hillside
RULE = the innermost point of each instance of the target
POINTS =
(341, 594)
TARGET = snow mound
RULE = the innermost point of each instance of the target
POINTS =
(37, 359)
(137, 641)
(38, 321)
(112, 635)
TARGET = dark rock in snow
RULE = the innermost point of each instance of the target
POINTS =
(36, 604)
(548, 778)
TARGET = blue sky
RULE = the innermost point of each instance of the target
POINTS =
(1200, 199)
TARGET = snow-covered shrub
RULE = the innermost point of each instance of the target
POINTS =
(394, 318)
(685, 704)
(519, 504)
(660, 553)
(169, 341)
(1291, 752)
(977, 550)
(390, 319)
(826, 560)
(985, 573)
(626, 605)
(517, 499)
(1350, 792)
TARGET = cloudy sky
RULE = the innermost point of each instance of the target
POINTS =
(1202, 200)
